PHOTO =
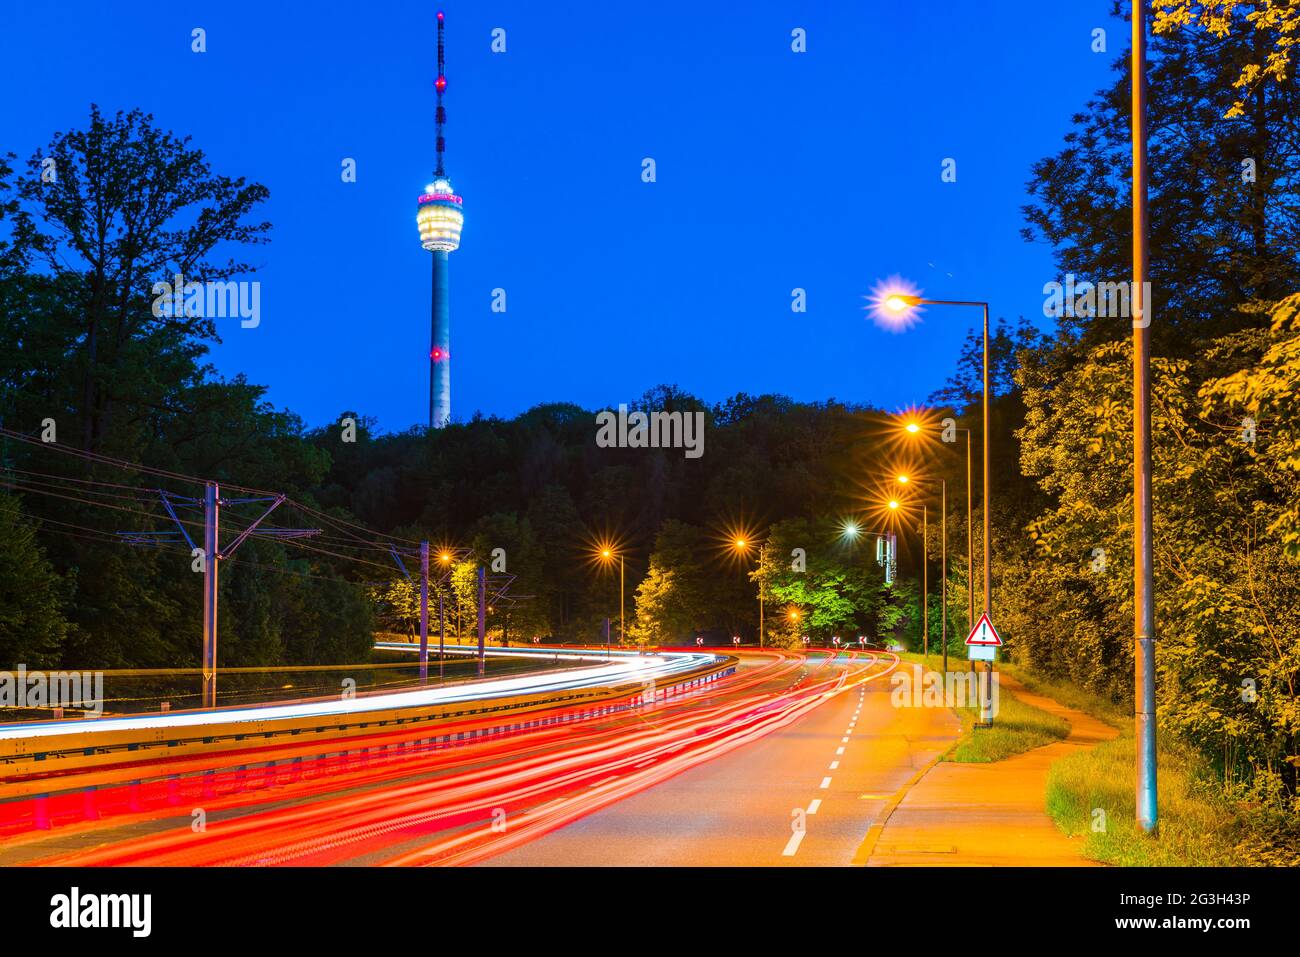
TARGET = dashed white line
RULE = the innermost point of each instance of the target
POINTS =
(826, 783)
(835, 766)
(813, 805)
(844, 740)
(840, 749)
(792, 845)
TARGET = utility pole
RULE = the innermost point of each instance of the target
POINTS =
(482, 618)
(424, 612)
(212, 554)
(607, 636)
(211, 581)
(1144, 606)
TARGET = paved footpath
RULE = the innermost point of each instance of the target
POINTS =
(967, 815)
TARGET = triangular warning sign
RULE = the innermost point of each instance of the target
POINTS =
(984, 633)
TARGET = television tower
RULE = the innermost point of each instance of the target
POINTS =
(440, 219)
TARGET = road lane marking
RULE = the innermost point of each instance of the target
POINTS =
(844, 740)
(835, 766)
(813, 805)
(826, 783)
(840, 749)
(792, 845)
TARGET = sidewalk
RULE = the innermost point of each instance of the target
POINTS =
(969, 815)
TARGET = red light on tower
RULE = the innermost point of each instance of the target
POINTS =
(440, 84)
(437, 355)
(439, 14)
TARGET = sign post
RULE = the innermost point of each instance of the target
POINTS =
(982, 644)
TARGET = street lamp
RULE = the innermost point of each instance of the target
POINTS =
(444, 559)
(608, 555)
(899, 303)
(914, 428)
(925, 566)
(742, 546)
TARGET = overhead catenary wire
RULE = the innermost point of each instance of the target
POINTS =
(143, 496)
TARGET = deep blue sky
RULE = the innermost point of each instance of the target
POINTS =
(775, 170)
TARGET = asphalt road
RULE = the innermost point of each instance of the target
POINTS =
(803, 795)
(788, 761)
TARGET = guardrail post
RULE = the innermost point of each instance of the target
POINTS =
(89, 808)
(41, 812)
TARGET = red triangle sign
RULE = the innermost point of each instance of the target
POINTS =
(984, 633)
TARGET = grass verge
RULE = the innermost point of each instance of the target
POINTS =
(1090, 793)
(1017, 727)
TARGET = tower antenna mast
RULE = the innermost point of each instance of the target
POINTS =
(440, 84)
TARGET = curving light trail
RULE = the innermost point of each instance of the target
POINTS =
(440, 808)
(617, 668)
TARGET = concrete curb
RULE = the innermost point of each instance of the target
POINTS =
(868, 845)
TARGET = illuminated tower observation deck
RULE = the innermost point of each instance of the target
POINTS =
(440, 219)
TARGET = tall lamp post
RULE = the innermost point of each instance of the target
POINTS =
(445, 559)
(1144, 607)
(913, 428)
(608, 555)
(905, 479)
(899, 303)
(894, 505)
(742, 546)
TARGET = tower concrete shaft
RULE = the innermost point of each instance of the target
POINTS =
(440, 344)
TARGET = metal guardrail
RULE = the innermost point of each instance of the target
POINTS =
(31, 767)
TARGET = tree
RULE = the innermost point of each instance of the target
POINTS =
(32, 595)
(1277, 21)
(109, 211)
(657, 622)
(1224, 221)
(813, 570)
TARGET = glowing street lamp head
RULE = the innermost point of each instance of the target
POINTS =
(741, 543)
(893, 504)
(913, 427)
(903, 479)
(850, 529)
(894, 303)
(445, 557)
